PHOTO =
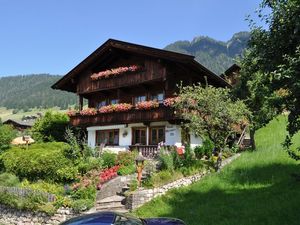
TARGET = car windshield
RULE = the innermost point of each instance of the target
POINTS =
(126, 220)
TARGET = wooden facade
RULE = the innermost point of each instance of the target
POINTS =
(160, 73)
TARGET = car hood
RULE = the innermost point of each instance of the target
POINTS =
(164, 221)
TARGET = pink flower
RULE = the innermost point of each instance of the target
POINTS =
(114, 71)
(170, 101)
(147, 105)
(71, 112)
(88, 112)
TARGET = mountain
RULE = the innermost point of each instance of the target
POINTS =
(29, 91)
(215, 55)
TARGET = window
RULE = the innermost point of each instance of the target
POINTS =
(157, 134)
(107, 137)
(101, 103)
(114, 101)
(158, 97)
(139, 136)
(122, 220)
(140, 98)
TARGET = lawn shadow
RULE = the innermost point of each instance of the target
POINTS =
(261, 195)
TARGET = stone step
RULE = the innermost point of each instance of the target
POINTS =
(115, 198)
(112, 205)
(120, 210)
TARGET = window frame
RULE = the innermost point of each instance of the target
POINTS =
(134, 136)
(134, 99)
(157, 134)
(98, 133)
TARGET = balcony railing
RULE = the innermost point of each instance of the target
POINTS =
(161, 113)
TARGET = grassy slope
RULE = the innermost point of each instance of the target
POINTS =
(255, 189)
(6, 114)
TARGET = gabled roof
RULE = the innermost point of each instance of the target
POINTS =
(232, 68)
(111, 44)
(27, 123)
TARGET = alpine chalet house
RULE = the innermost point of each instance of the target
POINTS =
(130, 89)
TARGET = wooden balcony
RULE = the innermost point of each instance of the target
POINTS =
(161, 113)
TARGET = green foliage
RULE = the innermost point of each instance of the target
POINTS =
(33, 202)
(9, 180)
(258, 183)
(50, 127)
(90, 163)
(81, 205)
(270, 69)
(205, 149)
(133, 185)
(7, 134)
(126, 170)
(40, 161)
(126, 158)
(215, 55)
(166, 160)
(211, 112)
(44, 186)
(109, 159)
(30, 91)
(163, 177)
(83, 198)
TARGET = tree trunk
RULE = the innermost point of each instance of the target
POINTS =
(252, 139)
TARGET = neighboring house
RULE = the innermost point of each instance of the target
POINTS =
(121, 72)
(232, 74)
(20, 125)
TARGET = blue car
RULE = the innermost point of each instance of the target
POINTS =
(113, 218)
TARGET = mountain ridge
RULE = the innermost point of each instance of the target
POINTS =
(30, 91)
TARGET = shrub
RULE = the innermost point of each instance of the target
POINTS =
(205, 149)
(40, 161)
(188, 157)
(40, 185)
(90, 163)
(109, 159)
(7, 134)
(166, 160)
(126, 170)
(126, 158)
(9, 180)
(133, 185)
(34, 202)
(50, 127)
(82, 205)
(163, 177)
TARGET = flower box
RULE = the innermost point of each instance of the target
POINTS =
(114, 72)
(147, 105)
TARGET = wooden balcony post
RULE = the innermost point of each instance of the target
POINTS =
(80, 102)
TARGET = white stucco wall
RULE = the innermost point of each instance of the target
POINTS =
(172, 135)
(195, 140)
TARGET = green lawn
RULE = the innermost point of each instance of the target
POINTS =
(257, 188)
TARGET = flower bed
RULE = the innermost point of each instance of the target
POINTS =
(121, 107)
(115, 71)
(107, 175)
(147, 105)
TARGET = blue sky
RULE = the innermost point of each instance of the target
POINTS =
(53, 36)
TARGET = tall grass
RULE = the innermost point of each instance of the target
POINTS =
(257, 188)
